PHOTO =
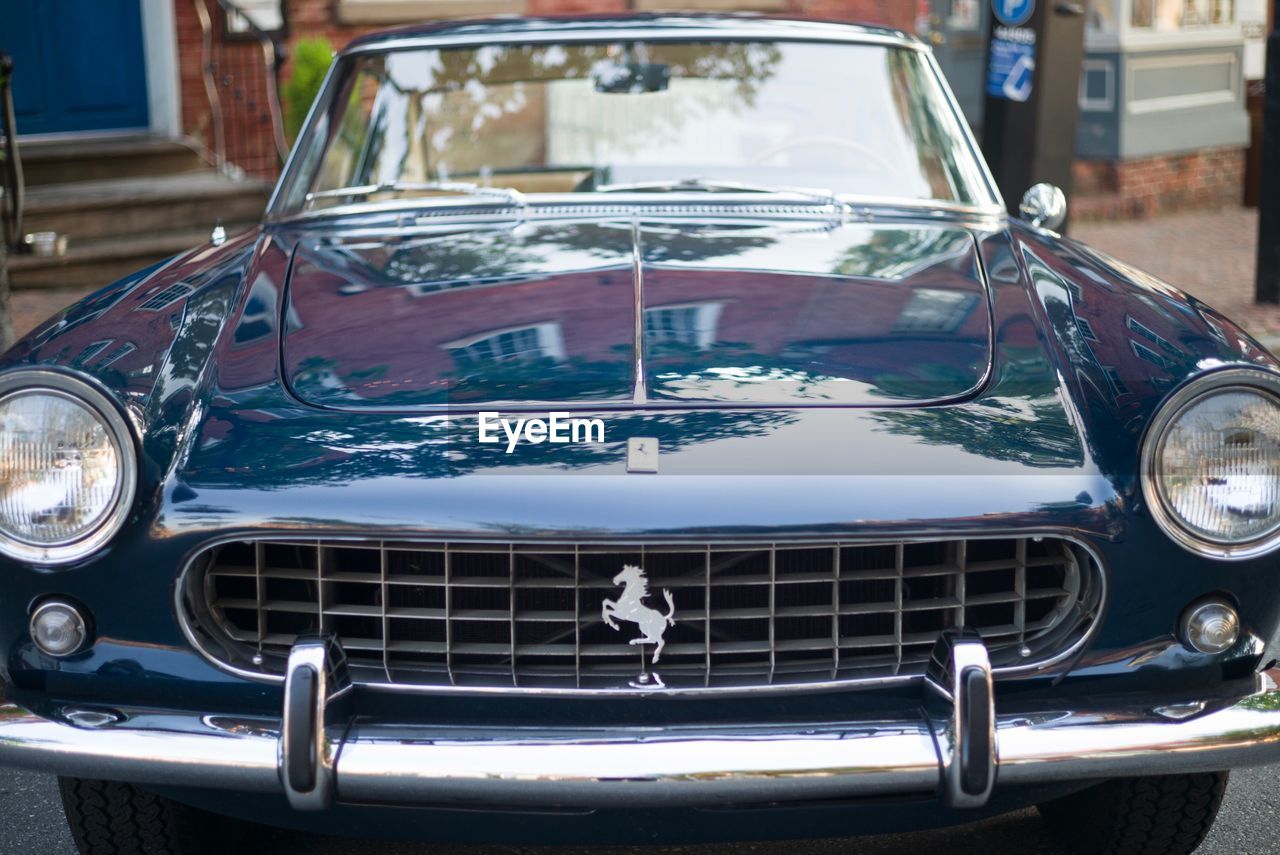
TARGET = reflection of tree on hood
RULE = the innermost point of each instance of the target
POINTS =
(471, 256)
(1024, 421)
(488, 254)
(1034, 433)
(895, 253)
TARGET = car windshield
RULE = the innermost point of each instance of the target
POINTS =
(508, 121)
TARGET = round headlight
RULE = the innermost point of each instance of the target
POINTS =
(1212, 464)
(66, 467)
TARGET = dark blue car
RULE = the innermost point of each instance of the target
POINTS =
(646, 429)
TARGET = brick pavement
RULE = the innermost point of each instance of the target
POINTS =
(1207, 253)
(1210, 254)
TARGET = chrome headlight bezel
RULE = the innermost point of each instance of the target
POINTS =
(87, 394)
(1258, 381)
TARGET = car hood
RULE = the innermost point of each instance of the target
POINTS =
(604, 313)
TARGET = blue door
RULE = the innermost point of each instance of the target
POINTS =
(78, 64)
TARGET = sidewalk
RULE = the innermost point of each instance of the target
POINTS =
(1209, 254)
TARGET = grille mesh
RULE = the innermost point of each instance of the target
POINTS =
(529, 615)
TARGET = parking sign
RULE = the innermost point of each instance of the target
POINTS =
(1013, 13)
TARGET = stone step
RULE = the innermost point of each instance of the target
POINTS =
(93, 159)
(94, 263)
(141, 205)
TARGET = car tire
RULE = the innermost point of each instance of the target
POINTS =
(111, 818)
(1165, 815)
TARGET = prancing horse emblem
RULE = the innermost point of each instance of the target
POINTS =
(630, 607)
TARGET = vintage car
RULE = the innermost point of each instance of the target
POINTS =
(639, 429)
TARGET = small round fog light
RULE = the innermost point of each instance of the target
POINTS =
(1211, 627)
(58, 628)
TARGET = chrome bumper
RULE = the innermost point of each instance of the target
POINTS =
(630, 767)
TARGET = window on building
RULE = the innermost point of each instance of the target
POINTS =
(541, 341)
(405, 11)
(1145, 353)
(1117, 385)
(90, 352)
(117, 354)
(711, 5)
(1151, 336)
(166, 297)
(1173, 15)
(265, 15)
(689, 326)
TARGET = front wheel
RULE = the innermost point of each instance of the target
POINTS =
(1164, 815)
(111, 818)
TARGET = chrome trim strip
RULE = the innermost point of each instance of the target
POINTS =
(305, 138)
(640, 384)
(87, 392)
(1256, 379)
(657, 407)
(690, 30)
(966, 133)
(632, 767)
(193, 636)
(640, 201)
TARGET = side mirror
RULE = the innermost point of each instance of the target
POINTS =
(1044, 206)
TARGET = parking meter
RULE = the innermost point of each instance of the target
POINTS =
(1035, 51)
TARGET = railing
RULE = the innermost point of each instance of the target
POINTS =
(11, 184)
(242, 82)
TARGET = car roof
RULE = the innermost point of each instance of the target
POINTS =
(592, 27)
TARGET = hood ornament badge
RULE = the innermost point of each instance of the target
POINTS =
(652, 623)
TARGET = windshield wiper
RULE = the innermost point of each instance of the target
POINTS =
(715, 185)
(465, 188)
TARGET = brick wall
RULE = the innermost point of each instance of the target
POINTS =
(1143, 187)
(240, 80)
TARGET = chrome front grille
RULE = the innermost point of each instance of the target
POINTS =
(529, 615)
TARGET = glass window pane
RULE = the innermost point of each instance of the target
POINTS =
(863, 120)
(1195, 14)
(1169, 14)
(1102, 16)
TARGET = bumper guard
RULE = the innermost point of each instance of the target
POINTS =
(959, 748)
